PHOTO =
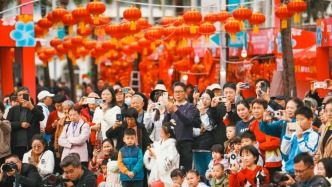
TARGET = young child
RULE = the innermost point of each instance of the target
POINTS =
(130, 161)
(234, 157)
(304, 139)
(101, 180)
(217, 152)
(230, 134)
(193, 178)
(249, 138)
(219, 177)
(178, 178)
(113, 174)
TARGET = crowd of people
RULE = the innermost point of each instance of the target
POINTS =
(117, 137)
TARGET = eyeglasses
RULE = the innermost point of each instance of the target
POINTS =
(178, 92)
(301, 171)
(69, 172)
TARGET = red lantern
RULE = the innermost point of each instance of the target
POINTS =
(232, 26)
(77, 41)
(81, 14)
(211, 17)
(90, 44)
(87, 32)
(207, 29)
(144, 44)
(84, 52)
(108, 45)
(223, 16)
(296, 7)
(167, 21)
(99, 29)
(242, 13)
(58, 14)
(45, 24)
(39, 32)
(96, 8)
(283, 14)
(192, 17)
(69, 20)
(132, 14)
(55, 42)
(143, 23)
(256, 19)
(178, 21)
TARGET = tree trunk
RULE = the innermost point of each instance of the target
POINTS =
(288, 62)
(47, 80)
(71, 80)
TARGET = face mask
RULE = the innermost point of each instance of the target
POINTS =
(127, 101)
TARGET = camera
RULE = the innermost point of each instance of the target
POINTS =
(320, 85)
(280, 176)
(8, 167)
(124, 90)
(221, 99)
(54, 180)
(94, 101)
(245, 85)
(275, 114)
(233, 159)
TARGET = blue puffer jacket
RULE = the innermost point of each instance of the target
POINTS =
(132, 158)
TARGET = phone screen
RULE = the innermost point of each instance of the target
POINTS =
(195, 88)
(26, 97)
(263, 87)
(118, 117)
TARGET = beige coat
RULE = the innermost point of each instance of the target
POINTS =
(328, 145)
(5, 130)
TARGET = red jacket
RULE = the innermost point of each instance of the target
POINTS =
(51, 118)
(100, 179)
(246, 175)
(88, 119)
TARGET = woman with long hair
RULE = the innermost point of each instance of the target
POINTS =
(325, 141)
(243, 110)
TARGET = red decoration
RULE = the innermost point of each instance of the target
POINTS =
(223, 16)
(55, 42)
(58, 14)
(296, 7)
(256, 19)
(90, 44)
(167, 21)
(143, 23)
(232, 26)
(96, 8)
(178, 21)
(132, 14)
(69, 20)
(207, 29)
(39, 32)
(45, 24)
(87, 32)
(192, 17)
(211, 17)
(283, 14)
(82, 15)
(242, 13)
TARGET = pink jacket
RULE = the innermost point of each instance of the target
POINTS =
(75, 142)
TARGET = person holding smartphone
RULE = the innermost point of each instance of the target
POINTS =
(25, 122)
(263, 92)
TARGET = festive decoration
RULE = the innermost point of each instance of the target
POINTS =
(256, 19)
(283, 14)
(143, 23)
(96, 8)
(232, 26)
(57, 15)
(132, 14)
(167, 21)
(55, 42)
(296, 7)
(211, 17)
(192, 17)
(242, 13)
(81, 15)
(45, 24)
(207, 29)
(23, 34)
(69, 20)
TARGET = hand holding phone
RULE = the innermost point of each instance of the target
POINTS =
(118, 117)
(26, 97)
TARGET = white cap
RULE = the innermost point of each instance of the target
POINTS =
(44, 94)
(214, 86)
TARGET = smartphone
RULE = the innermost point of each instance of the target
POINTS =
(195, 89)
(124, 90)
(118, 117)
(170, 99)
(264, 87)
(221, 99)
(89, 100)
(26, 97)
(245, 85)
(100, 101)
(275, 114)
(320, 85)
(292, 126)
(307, 103)
(98, 145)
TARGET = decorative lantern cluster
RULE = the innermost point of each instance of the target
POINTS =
(286, 11)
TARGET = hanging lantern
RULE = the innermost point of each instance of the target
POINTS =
(296, 7)
(50, 52)
(81, 15)
(45, 24)
(242, 13)
(256, 19)
(192, 17)
(144, 44)
(283, 14)
(69, 20)
(132, 14)
(232, 26)
(96, 8)
(90, 44)
(39, 32)
(223, 16)
(170, 35)
(125, 28)
(84, 52)
(182, 33)
(99, 29)
(76, 41)
(50, 17)
(143, 23)
(211, 17)
(87, 32)
(153, 34)
(61, 51)
(167, 21)
(44, 58)
(58, 14)
(207, 29)
(55, 42)
(178, 21)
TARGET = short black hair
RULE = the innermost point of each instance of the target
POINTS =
(131, 113)
(12, 156)
(217, 148)
(114, 155)
(262, 102)
(179, 84)
(305, 158)
(231, 85)
(177, 173)
(129, 132)
(252, 149)
(59, 98)
(265, 82)
(78, 110)
(220, 165)
(70, 159)
(243, 102)
(232, 124)
(23, 88)
(307, 112)
(236, 140)
(248, 134)
(299, 102)
(104, 162)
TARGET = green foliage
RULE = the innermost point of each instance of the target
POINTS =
(78, 2)
(108, 1)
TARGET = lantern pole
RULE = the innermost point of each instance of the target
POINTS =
(223, 48)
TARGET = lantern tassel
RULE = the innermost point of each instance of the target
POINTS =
(255, 29)
(297, 18)
(96, 31)
(242, 26)
(82, 26)
(145, 51)
(153, 45)
(71, 29)
(95, 19)
(192, 29)
(83, 58)
(284, 23)
(61, 24)
(44, 64)
(114, 41)
(233, 37)
(62, 57)
(172, 43)
(135, 55)
(132, 25)
(207, 39)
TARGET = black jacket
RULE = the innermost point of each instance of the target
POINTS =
(316, 181)
(21, 136)
(88, 179)
(28, 177)
(205, 140)
(118, 133)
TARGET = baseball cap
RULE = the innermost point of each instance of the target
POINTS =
(44, 94)
(279, 97)
(214, 86)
